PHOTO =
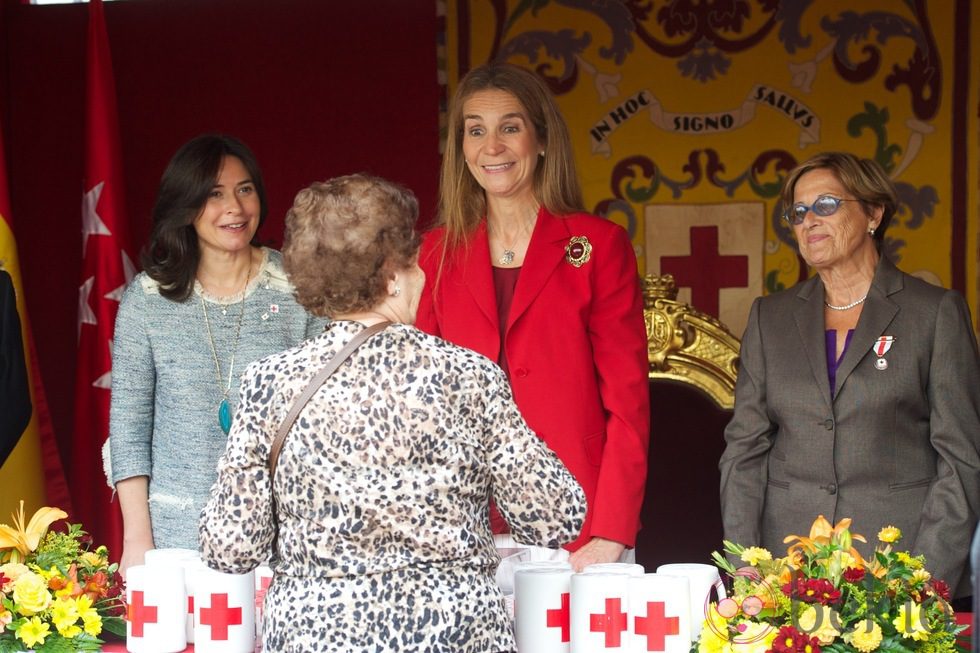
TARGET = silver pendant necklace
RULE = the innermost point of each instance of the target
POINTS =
(224, 408)
(508, 255)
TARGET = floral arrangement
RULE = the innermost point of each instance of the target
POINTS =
(823, 597)
(56, 594)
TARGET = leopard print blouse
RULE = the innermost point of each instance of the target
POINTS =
(381, 492)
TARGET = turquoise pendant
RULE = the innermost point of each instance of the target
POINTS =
(224, 416)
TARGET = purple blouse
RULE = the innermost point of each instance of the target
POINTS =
(832, 362)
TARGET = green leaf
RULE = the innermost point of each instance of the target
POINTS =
(9, 645)
(55, 644)
(114, 625)
(722, 562)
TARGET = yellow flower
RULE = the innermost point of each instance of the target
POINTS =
(66, 591)
(33, 631)
(756, 637)
(714, 633)
(90, 616)
(83, 604)
(92, 559)
(49, 574)
(920, 576)
(70, 632)
(820, 621)
(865, 637)
(755, 554)
(889, 534)
(909, 622)
(64, 614)
(92, 622)
(31, 594)
(21, 540)
(908, 560)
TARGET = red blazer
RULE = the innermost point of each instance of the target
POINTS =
(576, 348)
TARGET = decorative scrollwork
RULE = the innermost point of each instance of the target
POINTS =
(699, 33)
(686, 345)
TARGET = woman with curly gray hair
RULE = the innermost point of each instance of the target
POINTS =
(375, 515)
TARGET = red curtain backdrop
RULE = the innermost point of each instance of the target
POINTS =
(317, 89)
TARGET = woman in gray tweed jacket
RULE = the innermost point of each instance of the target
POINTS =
(208, 303)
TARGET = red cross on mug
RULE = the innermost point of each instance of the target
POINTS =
(219, 616)
(613, 622)
(558, 618)
(140, 614)
(657, 626)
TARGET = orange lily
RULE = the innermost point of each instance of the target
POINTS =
(20, 540)
(822, 533)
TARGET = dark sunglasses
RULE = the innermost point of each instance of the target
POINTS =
(823, 206)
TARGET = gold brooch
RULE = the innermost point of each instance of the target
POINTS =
(578, 251)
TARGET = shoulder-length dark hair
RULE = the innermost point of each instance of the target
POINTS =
(172, 255)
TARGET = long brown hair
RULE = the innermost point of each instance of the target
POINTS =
(462, 202)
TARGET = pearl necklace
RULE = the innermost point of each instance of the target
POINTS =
(845, 306)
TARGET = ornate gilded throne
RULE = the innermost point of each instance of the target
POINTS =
(693, 364)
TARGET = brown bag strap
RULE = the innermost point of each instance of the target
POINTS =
(301, 401)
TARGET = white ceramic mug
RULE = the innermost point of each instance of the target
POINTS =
(703, 579)
(659, 614)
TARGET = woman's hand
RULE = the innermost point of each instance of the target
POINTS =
(596, 551)
(133, 554)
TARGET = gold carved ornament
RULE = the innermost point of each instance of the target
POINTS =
(686, 345)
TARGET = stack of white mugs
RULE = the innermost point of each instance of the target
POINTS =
(611, 607)
(174, 600)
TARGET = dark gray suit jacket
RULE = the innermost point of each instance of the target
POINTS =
(894, 446)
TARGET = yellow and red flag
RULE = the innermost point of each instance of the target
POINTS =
(32, 470)
(106, 269)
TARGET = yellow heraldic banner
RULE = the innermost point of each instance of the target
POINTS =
(686, 118)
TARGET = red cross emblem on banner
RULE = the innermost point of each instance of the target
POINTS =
(219, 616)
(140, 614)
(558, 618)
(612, 622)
(705, 271)
(657, 626)
(190, 605)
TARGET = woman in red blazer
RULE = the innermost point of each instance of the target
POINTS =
(516, 271)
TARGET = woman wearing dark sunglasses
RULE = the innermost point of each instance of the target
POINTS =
(858, 393)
